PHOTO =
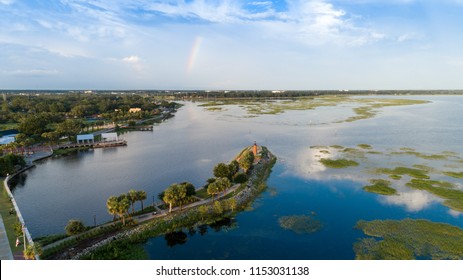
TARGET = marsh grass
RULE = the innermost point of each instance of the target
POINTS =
(453, 198)
(365, 146)
(454, 174)
(338, 163)
(380, 186)
(400, 171)
(300, 224)
(366, 107)
(409, 239)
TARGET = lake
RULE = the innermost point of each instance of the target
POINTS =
(188, 146)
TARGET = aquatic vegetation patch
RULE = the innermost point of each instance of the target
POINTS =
(418, 167)
(365, 107)
(215, 109)
(412, 172)
(395, 177)
(408, 239)
(365, 146)
(454, 174)
(338, 163)
(337, 147)
(380, 186)
(453, 198)
(424, 167)
(300, 224)
(422, 155)
(354, 152)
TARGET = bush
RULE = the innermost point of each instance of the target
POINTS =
(74, 227)
(240, 178)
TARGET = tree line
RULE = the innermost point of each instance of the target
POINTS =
(11, 163)
(120, 205)
(47, 117)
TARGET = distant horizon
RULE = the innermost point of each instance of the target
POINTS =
(232, 90)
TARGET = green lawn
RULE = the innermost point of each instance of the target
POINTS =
(9, 220)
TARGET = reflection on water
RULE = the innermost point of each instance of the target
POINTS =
(181, 237)
(186, 148)
(175, 238)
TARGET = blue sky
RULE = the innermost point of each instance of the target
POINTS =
(202, 44)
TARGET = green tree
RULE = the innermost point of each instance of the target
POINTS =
(123, 205)
(223, 184)
(190, 189)
(213, 189)
(240, 178)
(32, 250)
(161, 196)
(111, 205)
(203, 211)
(246, 161)
(175, 195)
(74, 227)
(70, 127)
(18, 229)
(232, 204)
(141, 195)
(132, 195)
(233, 167)
(218, 208)
(51, 136)
(222, 170)
(10, 162)
(34, 124)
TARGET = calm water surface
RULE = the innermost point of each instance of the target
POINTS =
(186, 147)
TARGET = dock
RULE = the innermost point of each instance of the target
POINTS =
(100, 144)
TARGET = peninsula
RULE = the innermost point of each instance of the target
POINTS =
(233, 189)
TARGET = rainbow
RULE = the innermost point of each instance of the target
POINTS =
(194, 53)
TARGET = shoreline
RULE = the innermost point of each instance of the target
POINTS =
(187, 217)
(6, 185)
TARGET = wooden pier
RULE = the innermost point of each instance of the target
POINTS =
(101, 144)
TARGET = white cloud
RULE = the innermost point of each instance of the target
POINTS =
(413, 201)
(131, 59)
(30, 72)
(6, 2)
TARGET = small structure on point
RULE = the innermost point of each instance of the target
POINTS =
(254, 149)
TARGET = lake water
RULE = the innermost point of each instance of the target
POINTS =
(186, 148)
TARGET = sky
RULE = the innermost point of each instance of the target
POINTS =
(231, 45)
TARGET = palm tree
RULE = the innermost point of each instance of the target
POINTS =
(175, 194)
(123, 205)
(132, 196)
(213, 189)
(141, 195)
(169, 197)
(112, 204)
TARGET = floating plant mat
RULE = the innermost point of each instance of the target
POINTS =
(362, 108)
(300, 224)
(409, 239)
(392, 172)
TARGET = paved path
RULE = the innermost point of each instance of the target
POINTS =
(149, 216)
(5, 250)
